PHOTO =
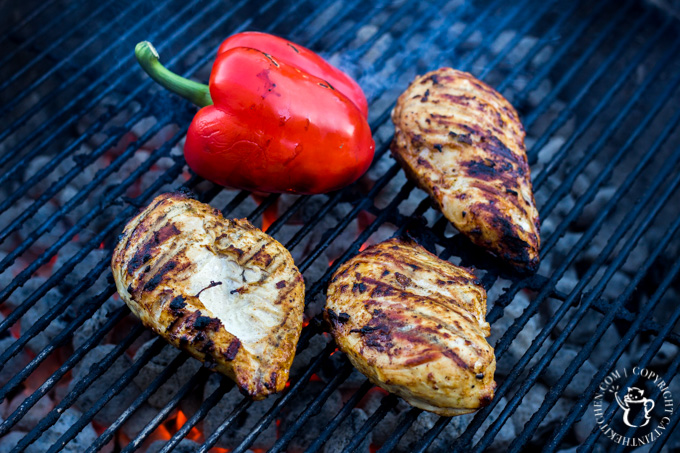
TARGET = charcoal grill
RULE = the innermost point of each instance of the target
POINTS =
(87, 140)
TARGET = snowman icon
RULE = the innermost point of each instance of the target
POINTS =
(632, 404)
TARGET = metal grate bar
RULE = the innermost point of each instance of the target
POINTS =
(587, 197)
(583, 401)
(163, 413)
(567, 112)
(314, 407)
(29, 18)
(96, 371)
(203, 411)
(400, 430)
(17, 75)
(97, 125)
(124, 380)
(51, 251)
(339, 417)
(613, 57)
(72, 360)
(503, 343)
(87, 282)
(583, 308)
(108, 88)
(506, 19)
(294, 389)
(101, 175)
(40, 325)
(58, 19)
(522, 32)
(545, 69)
(616, 237)
(386, 404)
(614, 124)
(643, 362)
(489, 283)
(599, 144)
(158, 381)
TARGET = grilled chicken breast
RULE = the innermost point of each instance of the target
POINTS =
(462, 142)
(414, 325)
(221, 289)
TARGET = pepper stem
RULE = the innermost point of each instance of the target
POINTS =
(148, 59)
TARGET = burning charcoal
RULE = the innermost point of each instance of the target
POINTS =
(583, 330)
(540, 92)
(423, 424)
(80, 443)
(617, 285)
(332, 367)
(35, 221)
(530, 404)
(523, 339)
(113, 408)
(353, 382)
(301, 360)
(157, 364)
(96, 321)
(185, 446)
(346, 431)
(23, 292)
(82, 268)
(316, 423)
(243, 424)
(593, 209)
(504, 437)
(560, 362)
(664, 356)
(34, 415)
(41, 307)
(603, 350)
(568, 281)
(13, 365)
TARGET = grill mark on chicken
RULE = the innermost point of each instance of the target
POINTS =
(177, 242)
(415, 326)
(470, 138)
(391, 327)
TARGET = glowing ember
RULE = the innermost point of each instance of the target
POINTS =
(194, 434)
(270, 214)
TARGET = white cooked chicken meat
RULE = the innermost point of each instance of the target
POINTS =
(220, 289)
(414, 325)
(462, 142)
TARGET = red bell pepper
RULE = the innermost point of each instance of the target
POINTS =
(276, 118)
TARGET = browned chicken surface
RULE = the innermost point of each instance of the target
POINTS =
(414, 325)
(462, 142)
(221, 289)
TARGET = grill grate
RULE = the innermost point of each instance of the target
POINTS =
(596, 86)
